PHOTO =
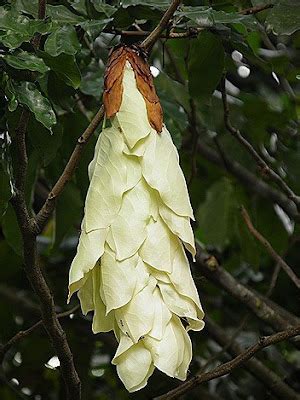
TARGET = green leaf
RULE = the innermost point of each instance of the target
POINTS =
(207, 17)
(160, 5)
(62, 15)
(78, 5)
(101, 7)
(45, 144)
(16, 28)
(60, 94)
(94, 27)
(64, 66)
(205, 65)
(11, 231)
(27, 6)
(28, 94)
(284, 17)
(215, 214)
(92, 80)
(62, 40)
(25, 60)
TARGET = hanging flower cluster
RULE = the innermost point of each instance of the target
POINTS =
(131, 268)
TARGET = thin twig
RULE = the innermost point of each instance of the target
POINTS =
(226, 345)
(155, 34)
(274, 383)
(22, 334)
(269, 248)
(191, 32)
(265, 169)
(229, 366)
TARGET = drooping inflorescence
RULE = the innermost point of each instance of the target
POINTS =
(131, 268)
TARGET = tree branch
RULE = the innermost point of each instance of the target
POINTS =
(247, 178)
(265, 169)
(190, 32)
(229, 366)
(22, 334)
(209, 267)
(269, 248)
(266, 376)
(155, 34)
(32, 269)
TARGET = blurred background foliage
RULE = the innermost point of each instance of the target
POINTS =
(61, 85)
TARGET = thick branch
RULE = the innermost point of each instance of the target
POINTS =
(209, 267)
(267, 377)
(155, 34)
(32, 269)
(228, 367)
(22, 334)
(265, 169)
(269, 248)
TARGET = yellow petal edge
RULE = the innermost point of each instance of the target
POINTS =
(130, 267)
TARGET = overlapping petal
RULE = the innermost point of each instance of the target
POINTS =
(131, 269)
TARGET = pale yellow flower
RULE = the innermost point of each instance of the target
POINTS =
(131, 268)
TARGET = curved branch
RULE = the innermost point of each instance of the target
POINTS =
(229, 366)
(210, 268)
(268, 378)
(22, 334)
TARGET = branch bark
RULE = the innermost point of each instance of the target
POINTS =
(190, 32)
(32, 269)
(210, 268)
(268, 378)
(22, 334)
(229, 366)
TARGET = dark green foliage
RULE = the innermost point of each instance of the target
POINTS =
(61, 85)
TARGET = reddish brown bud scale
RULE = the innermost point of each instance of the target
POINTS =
(113, 88)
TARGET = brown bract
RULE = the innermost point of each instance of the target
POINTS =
(113, 88)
